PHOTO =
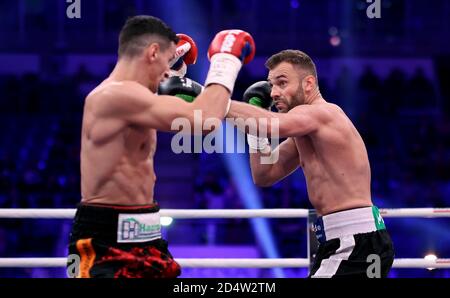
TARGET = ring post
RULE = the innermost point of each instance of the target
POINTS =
(313, 244)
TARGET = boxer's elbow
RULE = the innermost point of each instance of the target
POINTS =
(262, 179)
(261, 173)
(263, 184)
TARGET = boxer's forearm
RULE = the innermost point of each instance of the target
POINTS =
(213, 102)
(260, 171)
(257, 120)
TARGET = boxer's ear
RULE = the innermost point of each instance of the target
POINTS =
(152, 51)
(309, 83)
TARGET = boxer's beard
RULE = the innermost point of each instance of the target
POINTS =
(298, 98)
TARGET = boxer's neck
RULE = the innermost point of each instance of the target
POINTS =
(130, 70)
(314, 96)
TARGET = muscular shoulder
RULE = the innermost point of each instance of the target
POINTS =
(114, 97)
(334, 123)
(322, 113)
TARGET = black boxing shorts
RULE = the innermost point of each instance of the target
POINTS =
(119, 242)
(352, 243)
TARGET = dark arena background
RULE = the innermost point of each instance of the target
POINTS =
(386, 63)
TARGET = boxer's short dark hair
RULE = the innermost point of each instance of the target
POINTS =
(140, 31)
(294, 57)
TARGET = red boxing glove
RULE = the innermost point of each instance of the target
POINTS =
(186, 53)
(189, 57)
(227, 52)
(236, 42)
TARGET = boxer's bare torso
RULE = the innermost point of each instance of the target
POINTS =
(330, 152)
(321, 139)
(335, 163)
(116, 158)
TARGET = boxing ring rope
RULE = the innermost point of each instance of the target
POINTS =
(174, 213)
(222, 213)
(225, 213)
(224, 263)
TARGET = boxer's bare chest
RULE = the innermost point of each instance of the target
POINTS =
(306, 150)
(140, 143)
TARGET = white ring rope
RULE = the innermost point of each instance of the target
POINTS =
(224, 263)
(416, 212)
(174, 213)
(224, 213)
(190, 262)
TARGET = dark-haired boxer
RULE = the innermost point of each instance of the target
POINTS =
(117, 231)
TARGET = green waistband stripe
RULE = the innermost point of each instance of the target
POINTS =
(379, 222)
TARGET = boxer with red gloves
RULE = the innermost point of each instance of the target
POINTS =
(116, 230)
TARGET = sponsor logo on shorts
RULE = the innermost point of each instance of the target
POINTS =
(318, 229)
(138, 228)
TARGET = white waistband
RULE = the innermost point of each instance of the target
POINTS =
(135, 227)
(349, 222)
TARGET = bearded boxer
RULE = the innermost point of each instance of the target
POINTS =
(323, 142)
(116, 230)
